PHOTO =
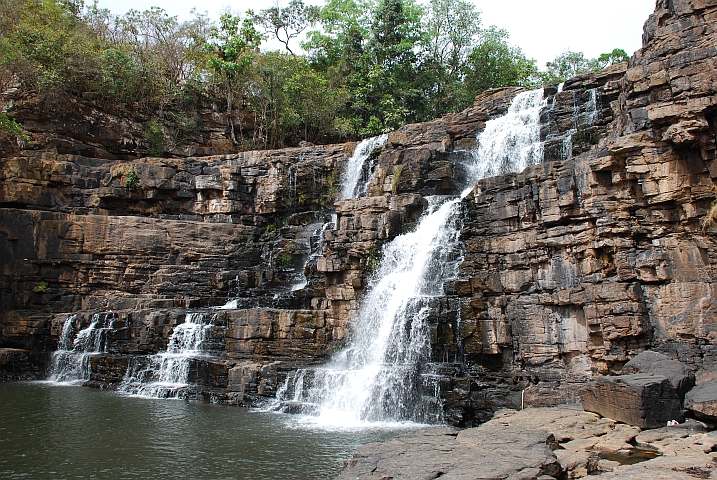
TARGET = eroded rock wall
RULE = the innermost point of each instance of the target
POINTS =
(192, 232)
(573, 267)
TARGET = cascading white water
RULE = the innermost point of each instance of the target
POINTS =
(511, 142)
(166, 373)
(380, 374)
(376, 377)
(356, 176)
(71, 360)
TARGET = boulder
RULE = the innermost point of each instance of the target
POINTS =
(702, 401)
(643, 400)
(680, 377)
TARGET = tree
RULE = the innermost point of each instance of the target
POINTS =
(286, 23)
(45, 46)
(316, 102)
(566, 65)
(232, 48)
(494, 63)
(618, 55)
(453, 29)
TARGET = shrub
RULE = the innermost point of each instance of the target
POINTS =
(283, 261)
(41, 287)
(132, 180)
(155, 138)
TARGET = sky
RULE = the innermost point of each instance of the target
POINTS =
(543, 29)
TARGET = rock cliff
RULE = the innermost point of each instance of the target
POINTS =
(570, 268)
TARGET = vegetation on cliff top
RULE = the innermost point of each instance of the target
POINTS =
(370, 66)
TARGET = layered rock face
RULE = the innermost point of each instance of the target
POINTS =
(574, 267)
(76, 236)
(570, 268)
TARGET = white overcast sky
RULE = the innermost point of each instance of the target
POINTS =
(542, 28)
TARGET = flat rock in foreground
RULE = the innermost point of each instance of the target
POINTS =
(538, 444)
(494, 450)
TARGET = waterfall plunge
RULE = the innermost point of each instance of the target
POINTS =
(381, 373)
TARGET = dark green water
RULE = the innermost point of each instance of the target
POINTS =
(51, 431)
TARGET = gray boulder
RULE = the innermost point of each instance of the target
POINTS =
(681, 378)
(643, 400)
(702, 401)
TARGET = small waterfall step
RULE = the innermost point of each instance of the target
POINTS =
(360, 167)
(72, 361)
(175, 372)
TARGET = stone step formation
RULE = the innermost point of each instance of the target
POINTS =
(570, 267)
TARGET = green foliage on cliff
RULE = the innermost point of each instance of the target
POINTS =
(370, 66)
(569, 64)
(283, 261)
(9, 128)
(132, 180)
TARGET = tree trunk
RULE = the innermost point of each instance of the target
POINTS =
(229, 112)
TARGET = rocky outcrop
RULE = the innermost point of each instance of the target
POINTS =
(701, 401)
(87, 126)
(540, 443)
(573, 267)
(680, 377)
(641, 399)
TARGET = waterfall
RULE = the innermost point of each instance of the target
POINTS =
(511, 142)
(381, 374)
(353, 184)
(358, 174)
(316, 243)
(71, 362)
(166, 374)
(583, 116)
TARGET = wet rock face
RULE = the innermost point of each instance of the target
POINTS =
(76, 234)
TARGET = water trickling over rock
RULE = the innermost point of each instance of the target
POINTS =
(71, 360)
(167, 374)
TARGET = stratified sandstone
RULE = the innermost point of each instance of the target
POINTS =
(573, 267)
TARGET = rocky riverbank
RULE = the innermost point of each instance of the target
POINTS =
(541, 444)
